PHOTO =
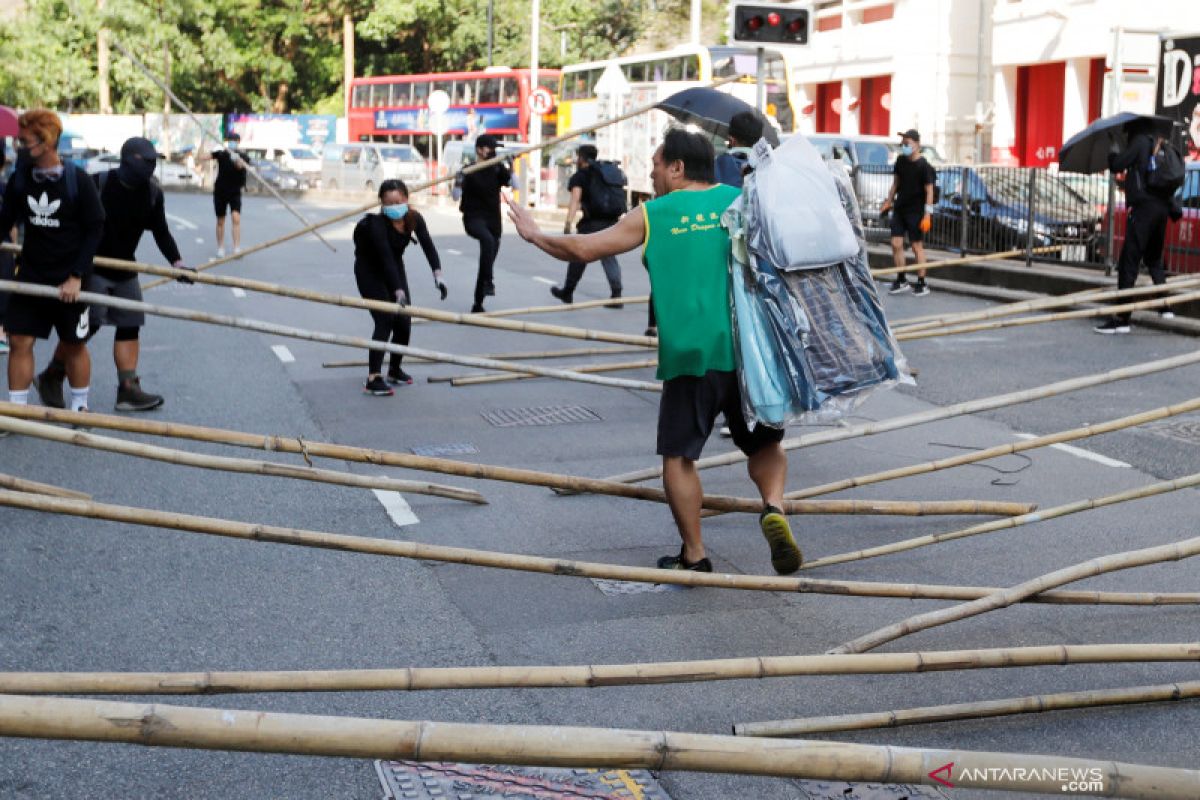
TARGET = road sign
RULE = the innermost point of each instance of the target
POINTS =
(540, 100)
(438, 102)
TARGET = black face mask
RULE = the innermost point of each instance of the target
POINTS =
(135, 171)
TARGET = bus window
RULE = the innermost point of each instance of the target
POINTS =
(656, 71)
(691, 68)
(361, 97)
(508, 91)
(401, 94)
(464, 92)
(548, 82)
(379, 94)
(445, 86)
(420, 93)
(489, 90)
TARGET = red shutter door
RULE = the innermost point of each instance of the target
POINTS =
(829, 107)
(1095, 88)
(875, 116)
(1039, 113)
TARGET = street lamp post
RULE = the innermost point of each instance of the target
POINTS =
(535, 119)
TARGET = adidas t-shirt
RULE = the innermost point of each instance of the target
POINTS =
(61, 233)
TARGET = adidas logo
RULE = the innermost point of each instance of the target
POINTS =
(42, 208)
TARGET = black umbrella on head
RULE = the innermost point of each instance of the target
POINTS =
(711, 110)
(1087, 151)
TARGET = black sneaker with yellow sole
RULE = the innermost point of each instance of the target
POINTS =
(677, 562)
(785, 553)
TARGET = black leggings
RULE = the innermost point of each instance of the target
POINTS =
(396, 328)
(487, 232)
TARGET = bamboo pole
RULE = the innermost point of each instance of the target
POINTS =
(589, 676)
(1129, 559)
(1036, 704)
(532, 355)
(22, 485)
(587, 369)
(1162, 302)
(1011, 522)
(993, 452)
(958, 262)
(160, 725)
(274, 329)
(488, 472)
(946, 412)
(213, 526)
(582, 304)
(476, 167)
(239, 465)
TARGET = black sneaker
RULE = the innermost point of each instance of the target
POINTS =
(785, 553)
(652, 332)
(130, 397)
(378, 387)
(477, 308)
(616, 295)
(920, 290)
(562, 294)
(50, 388)
(398, 376)
(899, 287)
(677, 562)
(1112, 326)
(490, 289)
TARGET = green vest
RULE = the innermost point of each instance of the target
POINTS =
(687, 254)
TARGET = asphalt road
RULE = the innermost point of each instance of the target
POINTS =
(77, 594)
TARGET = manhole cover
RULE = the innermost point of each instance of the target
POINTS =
(620, 588)
(411, 780)
(540, 415)
(1186, 430)
(442, 450)
(836, 790)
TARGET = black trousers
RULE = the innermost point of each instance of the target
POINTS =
(396, 328)
(487, 232)
(1145, 232)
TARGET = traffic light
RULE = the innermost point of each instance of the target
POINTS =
(769, 24)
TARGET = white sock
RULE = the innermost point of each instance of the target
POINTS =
(79, 398)
(20, 398)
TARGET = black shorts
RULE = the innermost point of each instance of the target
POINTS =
(689, 408)
(126, 289)
(36, 316)
(221, 199)
(908, 221)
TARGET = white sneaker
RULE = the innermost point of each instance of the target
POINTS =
(237, 250)
(220, 252)
(1166, 314)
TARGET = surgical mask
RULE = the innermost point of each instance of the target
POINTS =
(906, 150)
(395, 212)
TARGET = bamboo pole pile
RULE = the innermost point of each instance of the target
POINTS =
(531, 355)
(1036, 704)
(560, 307)
(958, 262)
(586, 369)
(160, 725)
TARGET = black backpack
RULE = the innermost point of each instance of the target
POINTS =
(1165, 172)
(606, 190)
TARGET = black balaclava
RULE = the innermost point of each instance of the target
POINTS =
(138, 159)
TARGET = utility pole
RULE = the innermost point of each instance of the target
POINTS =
(535, 119)
(491, 17)
(166, 50)
(696, 21)
(347, 59)
(102, 63)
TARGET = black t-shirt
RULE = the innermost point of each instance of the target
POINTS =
(230, 179)
(379, 249)
(128, 212)
(912, 176)
(61, 233)
(481, 191)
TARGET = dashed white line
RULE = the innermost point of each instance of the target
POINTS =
(282, 353)
(540, 279)
(1079, 452)
(453, 252)
(238, 292)
(183, 223)
(396, 507)
(199, 240)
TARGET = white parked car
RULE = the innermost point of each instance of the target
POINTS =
(167, 172)
(365, 165)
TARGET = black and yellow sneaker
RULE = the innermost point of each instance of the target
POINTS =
(785, 553)
(677, 562)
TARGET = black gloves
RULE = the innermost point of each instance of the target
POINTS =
(442, 288)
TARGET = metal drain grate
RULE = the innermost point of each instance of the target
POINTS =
(540, 415)
(410, 780)
(1186, 429)
(836, 790)
(621, 588)
(443, 450)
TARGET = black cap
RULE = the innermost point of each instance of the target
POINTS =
(911, 133)
(486, 140)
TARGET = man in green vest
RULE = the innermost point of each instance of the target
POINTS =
(686, 252)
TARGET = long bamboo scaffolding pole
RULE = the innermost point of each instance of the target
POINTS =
(1138, 493)
(488, 472)
(560, 307)
(233, 529)
(160, 725)
(993, 452)
(958, 262)
(587, 369)
(1035, 704)
(1007, 597)
(417, 187)
(589, 676)
(275, 329)
(243, 466)
(22, 485)
(528, 354)
(1162, 302)
(945, 412)
(1039, 304)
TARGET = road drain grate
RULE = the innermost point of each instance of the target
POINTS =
(445, 450)
(540, 415)
(622, 588)
(1186, 429)
(410, 780)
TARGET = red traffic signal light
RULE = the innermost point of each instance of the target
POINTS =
(773, 19)
(769, 24)
(754, 23)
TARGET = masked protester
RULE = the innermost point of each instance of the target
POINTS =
(480, 208)
(133, 203)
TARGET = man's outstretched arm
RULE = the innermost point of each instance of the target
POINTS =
(628, 234)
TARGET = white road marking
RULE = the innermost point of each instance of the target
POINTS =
(183, 223)
(1079, 452)
(283, 353)
(396, 507)
(199, 240)
(238, 292)
(453, 252)
(540, 279)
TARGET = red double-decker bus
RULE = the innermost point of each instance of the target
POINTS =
(394, 108)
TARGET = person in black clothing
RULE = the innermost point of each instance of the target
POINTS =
(379, 244)
(63, 220)
(745, 129)
(227, 191)
(911, 202)
(1145, 221)
(133, 203)
(480, 208)
(8, 265)
(580, 187)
